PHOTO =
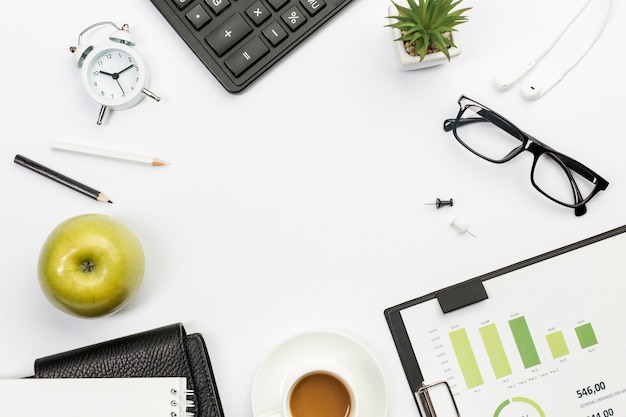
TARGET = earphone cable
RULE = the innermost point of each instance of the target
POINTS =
(598, 34)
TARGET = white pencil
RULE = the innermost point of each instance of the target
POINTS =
(108, 153)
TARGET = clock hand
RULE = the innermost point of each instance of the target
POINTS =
(120, 85)
(116, 75)
(127, 68)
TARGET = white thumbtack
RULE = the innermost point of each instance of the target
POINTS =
(461, 228)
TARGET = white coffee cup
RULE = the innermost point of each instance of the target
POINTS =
(317, 389)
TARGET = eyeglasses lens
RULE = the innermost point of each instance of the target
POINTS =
(553, 177)
(487, 135)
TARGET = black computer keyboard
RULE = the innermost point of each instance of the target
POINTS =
(238, 40)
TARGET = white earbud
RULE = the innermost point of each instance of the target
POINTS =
(532, 90)
(504, 80)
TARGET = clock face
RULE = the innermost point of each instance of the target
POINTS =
(114, 76)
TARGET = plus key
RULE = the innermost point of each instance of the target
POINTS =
(228, 34)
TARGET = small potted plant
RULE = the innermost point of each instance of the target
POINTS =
(425, 31)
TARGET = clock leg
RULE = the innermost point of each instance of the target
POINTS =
(151, 94)
(101, 115)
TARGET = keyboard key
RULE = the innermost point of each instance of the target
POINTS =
(294, 18)
(258, 13)
(218, 6)
(277, 4)
(228, 34)
(246, 56)
(275, 33)
(181, 3)
(198, 16)
(313, 6)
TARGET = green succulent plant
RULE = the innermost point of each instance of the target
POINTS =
(425, 23)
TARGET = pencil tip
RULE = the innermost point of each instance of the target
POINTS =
(103, 198)
(158, 162)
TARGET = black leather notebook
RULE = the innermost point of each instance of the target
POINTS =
(162, 352)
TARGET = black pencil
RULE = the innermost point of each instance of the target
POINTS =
(60, 178)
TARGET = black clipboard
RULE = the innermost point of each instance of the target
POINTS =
(460, 296)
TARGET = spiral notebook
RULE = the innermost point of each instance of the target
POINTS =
(96, 397)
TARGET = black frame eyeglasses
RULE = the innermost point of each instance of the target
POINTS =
(555, 175)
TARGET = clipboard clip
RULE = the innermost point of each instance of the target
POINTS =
(425, 399)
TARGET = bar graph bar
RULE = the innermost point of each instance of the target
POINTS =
(495, 350)
(556, 343)
(466, 358)
(586, 335)
(499, 353)
(524, 341)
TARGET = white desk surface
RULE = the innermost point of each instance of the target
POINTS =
(298, 204)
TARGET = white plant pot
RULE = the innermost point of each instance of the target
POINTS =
(408, 62)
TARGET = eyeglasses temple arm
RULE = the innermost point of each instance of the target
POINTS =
(586, 173)
(573, 165)
(568, 171)
(448, 124)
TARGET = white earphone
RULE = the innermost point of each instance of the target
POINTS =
(533, 90)
(504, 80)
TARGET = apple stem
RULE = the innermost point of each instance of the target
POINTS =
(87, 266)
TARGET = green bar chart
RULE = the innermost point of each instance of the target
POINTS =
(586, 335)
(523, 348)
(495, 350)
(467, 360)
(557, 344)
(524, 341)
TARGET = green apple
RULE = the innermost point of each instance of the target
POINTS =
(91, 265)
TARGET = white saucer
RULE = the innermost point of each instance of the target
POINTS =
(370, 381)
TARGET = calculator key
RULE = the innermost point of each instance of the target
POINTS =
(258, 13)
(198, 16)
(218, 6)
(228, 34)
(294, 18)
(181, 4)
(277, 4)
(275, 33)
(246, 56)
(313, 6)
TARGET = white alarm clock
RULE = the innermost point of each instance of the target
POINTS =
(113, 73)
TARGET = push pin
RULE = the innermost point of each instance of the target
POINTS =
(461, 228)
(440, 203)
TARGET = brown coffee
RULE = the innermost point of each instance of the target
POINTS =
(320, 395)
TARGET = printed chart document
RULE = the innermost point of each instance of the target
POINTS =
(542, 338)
